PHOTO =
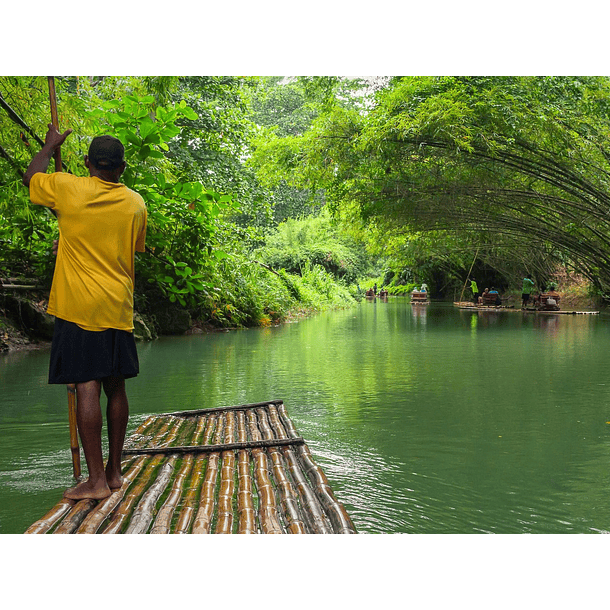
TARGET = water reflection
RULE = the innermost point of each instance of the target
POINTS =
(425, 419)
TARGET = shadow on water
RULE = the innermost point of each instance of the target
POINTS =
(425, 419)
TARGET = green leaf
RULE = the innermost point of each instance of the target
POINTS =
(190, 114)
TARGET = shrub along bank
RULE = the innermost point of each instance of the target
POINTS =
(247, 295)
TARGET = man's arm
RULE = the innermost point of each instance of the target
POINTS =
(40, 162)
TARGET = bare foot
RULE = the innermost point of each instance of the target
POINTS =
(115, 483)
(114, 479)
(86, 490)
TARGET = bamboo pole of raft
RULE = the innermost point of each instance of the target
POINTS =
(163, 520)
(341, 521)
(139, 438)
(205, 512)
(43, 525)
(267, 509)
(215, 448)
(187, 431)
(313, 509)
(288, 497)
(224, 517)
(101, 512)
(121, 516)
(188, 509)
(143, 514)
(75, 517)
(245, 503)
(218, 410)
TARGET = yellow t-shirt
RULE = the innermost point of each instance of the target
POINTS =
(101, 225)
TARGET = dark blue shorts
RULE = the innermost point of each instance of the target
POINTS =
(79, 355)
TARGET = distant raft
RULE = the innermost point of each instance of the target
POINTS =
(231, 470)
(419, 298)
(472, 307)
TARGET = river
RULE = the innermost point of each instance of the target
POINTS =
(426, 419)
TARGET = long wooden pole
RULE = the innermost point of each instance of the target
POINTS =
(73, 430)
(469, 271)
(54, 119)
(71, 387)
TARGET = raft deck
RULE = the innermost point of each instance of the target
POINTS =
(231, 470)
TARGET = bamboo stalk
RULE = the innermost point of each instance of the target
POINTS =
(335, 511)
(317, 520)
(205, 512)
(43, 525)
(342, 524)
(252, 449)
(164, 517)
(97, 516)
(199, 430)
(73, 431)
(157, 430)
(224, 519)
(188, 509)
(245, 504)
(18, 120)
(121, 516)
(143, 514)
(314, 512)
(267, 509)
(138, 438)
(187, 431)
(168, 432)
(223, 409)
(162, 524)
(179, 427)
(288, 497)
(471, 266)
(19, 287)
(216, 448)
(76, 516)
(54, 119)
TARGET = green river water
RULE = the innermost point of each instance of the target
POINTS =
(425, 419)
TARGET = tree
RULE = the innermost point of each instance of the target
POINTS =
(518, 164)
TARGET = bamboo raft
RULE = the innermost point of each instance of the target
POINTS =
(472, 307)
(419, 298)
(231, 470)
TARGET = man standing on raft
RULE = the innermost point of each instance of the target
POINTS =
(102, 223)
(528, 286)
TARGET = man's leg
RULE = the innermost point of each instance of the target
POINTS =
(117, 416)
(89, 420)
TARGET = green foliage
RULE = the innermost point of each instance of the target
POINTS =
(185, 141)
(517, 168)
(299, 244)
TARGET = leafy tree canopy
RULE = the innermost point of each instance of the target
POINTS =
(511, 164)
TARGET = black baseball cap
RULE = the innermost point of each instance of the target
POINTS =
(106, 152)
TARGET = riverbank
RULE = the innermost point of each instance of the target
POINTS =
(25, 325)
